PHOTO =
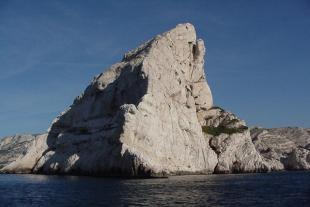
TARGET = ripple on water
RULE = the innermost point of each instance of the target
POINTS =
(272, 189)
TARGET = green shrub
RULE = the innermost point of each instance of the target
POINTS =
(215, 131)
(83, 130)
(217, 107)
(233, 121)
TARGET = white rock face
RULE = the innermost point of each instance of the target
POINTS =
(19, 154)
(139, 118)
(13, 147)
(299, 159)
(230, 138)
(283, 148)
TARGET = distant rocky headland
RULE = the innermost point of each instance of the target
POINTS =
(152, 115)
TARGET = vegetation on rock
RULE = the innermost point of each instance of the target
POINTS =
(216, 131)
(217, 107)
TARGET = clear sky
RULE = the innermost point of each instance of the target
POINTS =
(258, 54)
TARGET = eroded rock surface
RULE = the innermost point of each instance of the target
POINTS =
(283, 148)
(19, 154)
(230, 138)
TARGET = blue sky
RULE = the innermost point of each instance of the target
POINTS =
(257, 63)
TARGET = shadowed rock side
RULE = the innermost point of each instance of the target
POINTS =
(139, 117)
(283, 148)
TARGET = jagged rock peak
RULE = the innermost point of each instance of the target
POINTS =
(182, 32)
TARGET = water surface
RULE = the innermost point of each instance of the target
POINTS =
(271, 189)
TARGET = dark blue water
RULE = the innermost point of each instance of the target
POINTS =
(274, 189)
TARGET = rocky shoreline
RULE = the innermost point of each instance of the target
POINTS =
(280, 148)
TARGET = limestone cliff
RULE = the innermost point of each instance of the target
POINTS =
(283, 148)
(149, 115)
(19, 154)
(230, 138)
(138, 118)
(13, 147)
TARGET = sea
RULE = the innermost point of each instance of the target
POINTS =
(285, 189)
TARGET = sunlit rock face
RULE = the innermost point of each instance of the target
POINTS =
(20, 153)
(230, 138)
(283, 148)
(13, 147)
(138, 118)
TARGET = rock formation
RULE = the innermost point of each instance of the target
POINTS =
(19, 154)
(283, 148)
(151, 114)
(11, 148)
(138, 118)
(230, 138)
